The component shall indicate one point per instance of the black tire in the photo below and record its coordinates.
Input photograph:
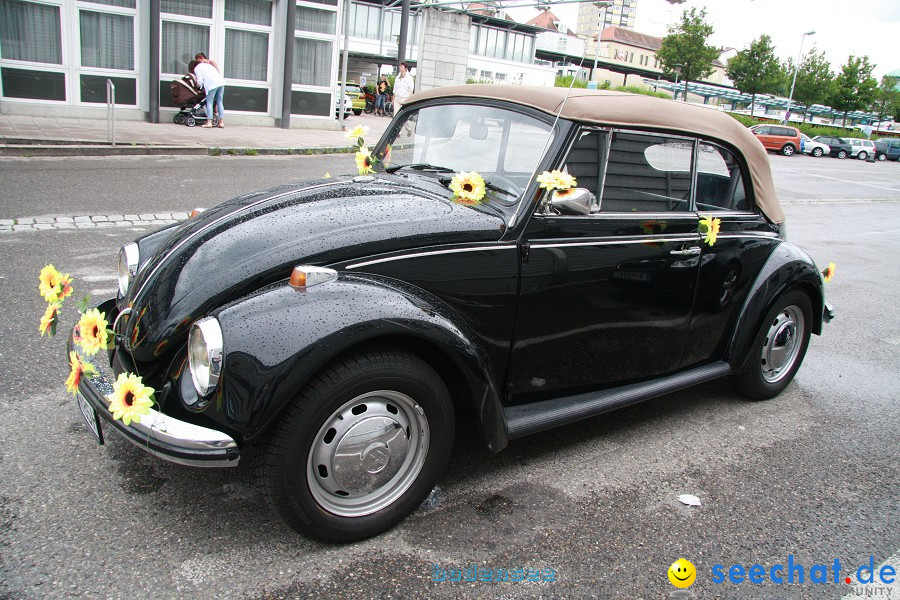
(863, 155)
(817, 152)
(788, 150)
(842, 154)
(179, 118)
(190, 121)
(357, 111)
(783, 337)
(304, 474)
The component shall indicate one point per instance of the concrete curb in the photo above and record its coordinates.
(96, 149)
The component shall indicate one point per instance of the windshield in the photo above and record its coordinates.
(502, 145)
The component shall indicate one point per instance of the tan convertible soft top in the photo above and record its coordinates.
(634, 110)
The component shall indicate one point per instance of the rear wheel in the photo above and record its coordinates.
(881, 157)
(179, 118)
(863, 155)
(778, 349)
(190, 121)
(817, 152)
(357, 111)
(788, 150)
(360, 448)
(842, 154)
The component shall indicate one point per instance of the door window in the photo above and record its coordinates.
(720, 185)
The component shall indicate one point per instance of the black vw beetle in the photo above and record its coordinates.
(338, 325)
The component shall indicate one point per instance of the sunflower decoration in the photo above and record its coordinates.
(468, 188)
(357, 134)
(556, 180)
(50, 319)
(92, 331)
(364, 161)
(54, 286)
(828, 273)
(710, 227)
(79, 369)
(130, 398)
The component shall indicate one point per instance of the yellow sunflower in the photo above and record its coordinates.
(468, 188)
(828, 273)
(49, 320)
(357, 132)
(556, 180)
(710, 227)
(364, 161)
(79, 369)
(130, 398)
(92, 331)
(54, 285)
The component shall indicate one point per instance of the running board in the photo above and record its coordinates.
(525, 419)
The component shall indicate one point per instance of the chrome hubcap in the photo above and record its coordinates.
(368, 453)
(782, 344)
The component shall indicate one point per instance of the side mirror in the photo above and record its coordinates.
(576, 201)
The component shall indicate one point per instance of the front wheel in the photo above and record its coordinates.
(778, 349)
(190, 121)
(842, 154)
(357, 111)
(817, 152)
(881, 157)
(360, 448)
(788, 150)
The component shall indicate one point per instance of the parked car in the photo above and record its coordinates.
(840, 148)
(860, 148)
(338, 325)
(813, 148)
(779, 138)
(357, 95)
(887, 148)
(347, 103)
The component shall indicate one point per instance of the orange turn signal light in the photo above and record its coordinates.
(298, 278)
(303, 277)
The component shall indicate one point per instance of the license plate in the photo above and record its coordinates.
(90, 417)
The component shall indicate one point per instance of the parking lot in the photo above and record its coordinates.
(811, 474)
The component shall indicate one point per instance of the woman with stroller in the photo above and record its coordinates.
(212, 82)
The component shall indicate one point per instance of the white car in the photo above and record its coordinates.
(862, 149)
(812, 147)
(348, 105)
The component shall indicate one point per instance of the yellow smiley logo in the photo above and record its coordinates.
(682, 573)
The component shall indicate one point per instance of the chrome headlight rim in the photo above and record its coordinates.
(205, 355)
(129, 259)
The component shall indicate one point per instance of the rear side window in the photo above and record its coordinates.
(720, 185)
(762, 131)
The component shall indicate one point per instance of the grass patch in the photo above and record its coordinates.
(251, 152)
(810, 129)
(215, 152)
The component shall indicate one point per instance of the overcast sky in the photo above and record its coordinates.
(860, 27)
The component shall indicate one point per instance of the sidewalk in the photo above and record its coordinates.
(50, 136)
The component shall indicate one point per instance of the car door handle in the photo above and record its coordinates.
(694, 251)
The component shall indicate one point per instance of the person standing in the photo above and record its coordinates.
(403, 86)
(381, 94)
(212, 82)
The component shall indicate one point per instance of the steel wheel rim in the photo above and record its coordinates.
(368, 453)
(782, 343)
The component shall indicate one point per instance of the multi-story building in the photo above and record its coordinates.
(621, 13)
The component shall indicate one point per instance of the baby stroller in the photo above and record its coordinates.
(191, 101)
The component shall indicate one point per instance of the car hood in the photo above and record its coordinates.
(241, 245)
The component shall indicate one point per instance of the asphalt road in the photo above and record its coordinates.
(812, 474)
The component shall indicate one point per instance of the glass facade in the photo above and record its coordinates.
(500, 43)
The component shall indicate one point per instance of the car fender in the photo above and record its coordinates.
(786, 268)
(277, 338)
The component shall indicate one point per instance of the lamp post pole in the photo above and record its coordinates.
(787, 113)
(677, 69)
(602, 6)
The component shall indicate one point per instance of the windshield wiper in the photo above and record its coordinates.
(420, 167)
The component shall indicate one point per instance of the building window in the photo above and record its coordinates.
(315, 20)
(312, 62)
(180, 43)
(252, 12)
(246, 55)
(188, 8)
(30, 32)
(107, 40)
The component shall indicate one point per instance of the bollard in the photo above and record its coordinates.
(111, 111)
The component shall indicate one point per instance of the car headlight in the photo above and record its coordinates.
(205, 355)
(129, 257)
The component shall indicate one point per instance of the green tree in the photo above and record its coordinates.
(685, 50)
(814, 80)
(887, 98)
(854, 87)
(756, 70)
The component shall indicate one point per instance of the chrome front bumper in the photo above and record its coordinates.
(157, 433)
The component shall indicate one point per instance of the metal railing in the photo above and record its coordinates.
(111, 111)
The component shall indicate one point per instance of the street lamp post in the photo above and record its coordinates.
(794, 81)
(677, 69)
(602, 6)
